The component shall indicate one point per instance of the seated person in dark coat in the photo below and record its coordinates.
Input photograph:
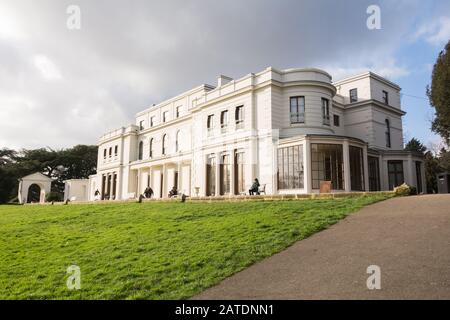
(254, 189)
(148, 193)
(173, 192)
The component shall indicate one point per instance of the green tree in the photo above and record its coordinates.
(74, 163)
(431, 164)
(439, 94)
(415, 145)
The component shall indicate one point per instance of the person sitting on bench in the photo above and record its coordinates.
(148, 193)
(173, 192)
(254, 189)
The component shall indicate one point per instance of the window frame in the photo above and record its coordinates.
(353, 94)
(210, 124)
(224, 121)
(325, 111)
(385, 97)
(297, 117)
(164, 145)
(239, 117)
(388, 133)
(336, 120)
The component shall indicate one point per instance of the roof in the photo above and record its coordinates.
(36, 176)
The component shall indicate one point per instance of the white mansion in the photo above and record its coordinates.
(291, 129)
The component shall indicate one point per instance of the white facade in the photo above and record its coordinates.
(291, 129)
(41, 184)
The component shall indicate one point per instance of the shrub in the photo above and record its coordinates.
(403, 190)
(53, 196)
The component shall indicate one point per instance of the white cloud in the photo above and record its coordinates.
(436, 33)
(46, 67)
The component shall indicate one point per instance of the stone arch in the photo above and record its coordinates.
(36, 181)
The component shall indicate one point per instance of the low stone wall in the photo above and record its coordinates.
(277, 197)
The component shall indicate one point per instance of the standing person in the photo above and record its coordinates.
(254, 189)
(97, 195)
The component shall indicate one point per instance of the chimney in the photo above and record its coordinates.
(223, 80)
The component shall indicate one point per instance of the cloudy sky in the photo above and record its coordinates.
(61, 87)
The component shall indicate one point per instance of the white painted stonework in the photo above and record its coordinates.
(289, 150)
(43, 183)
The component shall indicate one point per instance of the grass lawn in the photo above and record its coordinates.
(157, 250)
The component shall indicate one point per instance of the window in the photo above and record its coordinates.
(326, 111)
(150, 152)
(141, 150)
(374, 174)
(165, 118)
(210, 124)
(356, 168)
(177, 111)
(211, 176)
(290, 168)
(104, 153)
(239, 117)
(385, 97)
(225, 175)
(116, 150)
(177, 141)
(152, 121)
(239, 179)
(419, 176)
(353, 95)
(164, 145)
(327, 165)
(297, 109)
(395, 173)
(141, 125)
(224, 121)
(336, 120)
(110, 152)
(388, 134)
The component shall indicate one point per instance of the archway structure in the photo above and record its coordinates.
(37, 178)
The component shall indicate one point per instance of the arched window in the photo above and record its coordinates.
(388, 134)
(150, 153)
(177, 141)
(141, 150)
(164, 144)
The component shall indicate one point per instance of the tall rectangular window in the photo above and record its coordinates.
(327, 165)
(356, 168)
(297, 109)
(374, 174)
(211, 176)
(177, 111)
(210, 124)
(336, 121)
(353, 95)
(116, 150)
(326, 111)
(224, 121)
(419, 177)
(239, 117)
(395, 173)
(152, 121)
(290, 168)
(239, 173)
(165, 116)
(141, 125)
(225, 175)
(388, 133)
(385, 97)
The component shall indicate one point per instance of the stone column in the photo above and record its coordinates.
(366, 169)
(307, 165)
(218, 162)
(346, 159)
(233, 172)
